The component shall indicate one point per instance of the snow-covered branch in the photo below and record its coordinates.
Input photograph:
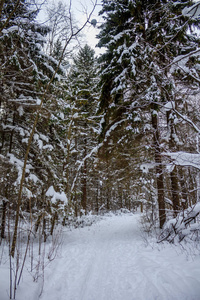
(184, 158)
(189, 121)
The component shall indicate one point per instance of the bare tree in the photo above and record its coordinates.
(59, 22)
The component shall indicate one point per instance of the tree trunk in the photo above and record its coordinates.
(1, 6)
(159, 169)
(3, 222)
(2, 140)
(108, 202)
(84, 176)
(175, 191)
(11, 135)
(141, 207)
(84, 187)
(97, 199)
(44, 229)
(173, 174)
(184, 191)
(53, 222)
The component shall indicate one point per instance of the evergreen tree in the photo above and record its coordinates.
(25, 72)
(83, 98)
(143, 39)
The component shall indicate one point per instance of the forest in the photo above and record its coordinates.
(82, 134)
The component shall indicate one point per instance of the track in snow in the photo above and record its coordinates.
(109, 261)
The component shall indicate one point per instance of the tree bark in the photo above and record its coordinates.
(11, 135)
(173, 174)
(3, 222)
(1, 6)
(84, 176)
(97, 199)
(175, 190)
(53, 222)
(10, 15)
(84, 187)
(184, 191)
(159, 169)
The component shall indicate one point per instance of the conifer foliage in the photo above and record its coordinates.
(97, 134)
(25, 73)
(83, 98)
(144, 42)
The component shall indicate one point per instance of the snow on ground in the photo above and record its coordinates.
(110, 261)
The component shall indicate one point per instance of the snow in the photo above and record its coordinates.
(19, 166)
(50, 147)
(56, 195)
(20, 110)
(113, 127)
(34, 178)
(40, 144)
(185, 159)
(145, 167)
(39, 139)
(62, 116)
(10, 29)
(154, 112)
(38, 101)
(185, 225)
(110, 260)
(169, 106)
(44, 137)
(27, 192)
(193, 11)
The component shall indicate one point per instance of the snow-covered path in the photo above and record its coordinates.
(109, 261)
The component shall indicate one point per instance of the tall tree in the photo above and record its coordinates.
(143, 39)
(83, 95)
(25, 73)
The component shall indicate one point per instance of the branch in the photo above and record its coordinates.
(95, 150)
(181, 27)
(181, 58)
(187, 120)
(1, 6)
(12, 252)
(11, 14)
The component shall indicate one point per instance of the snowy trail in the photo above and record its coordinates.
(109, 261)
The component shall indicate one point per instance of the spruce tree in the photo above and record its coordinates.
(25, 70)
(143, 40)
(83, 96)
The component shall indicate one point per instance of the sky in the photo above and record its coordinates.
(80, 9)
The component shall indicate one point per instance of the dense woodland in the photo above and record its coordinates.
(81, 134)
